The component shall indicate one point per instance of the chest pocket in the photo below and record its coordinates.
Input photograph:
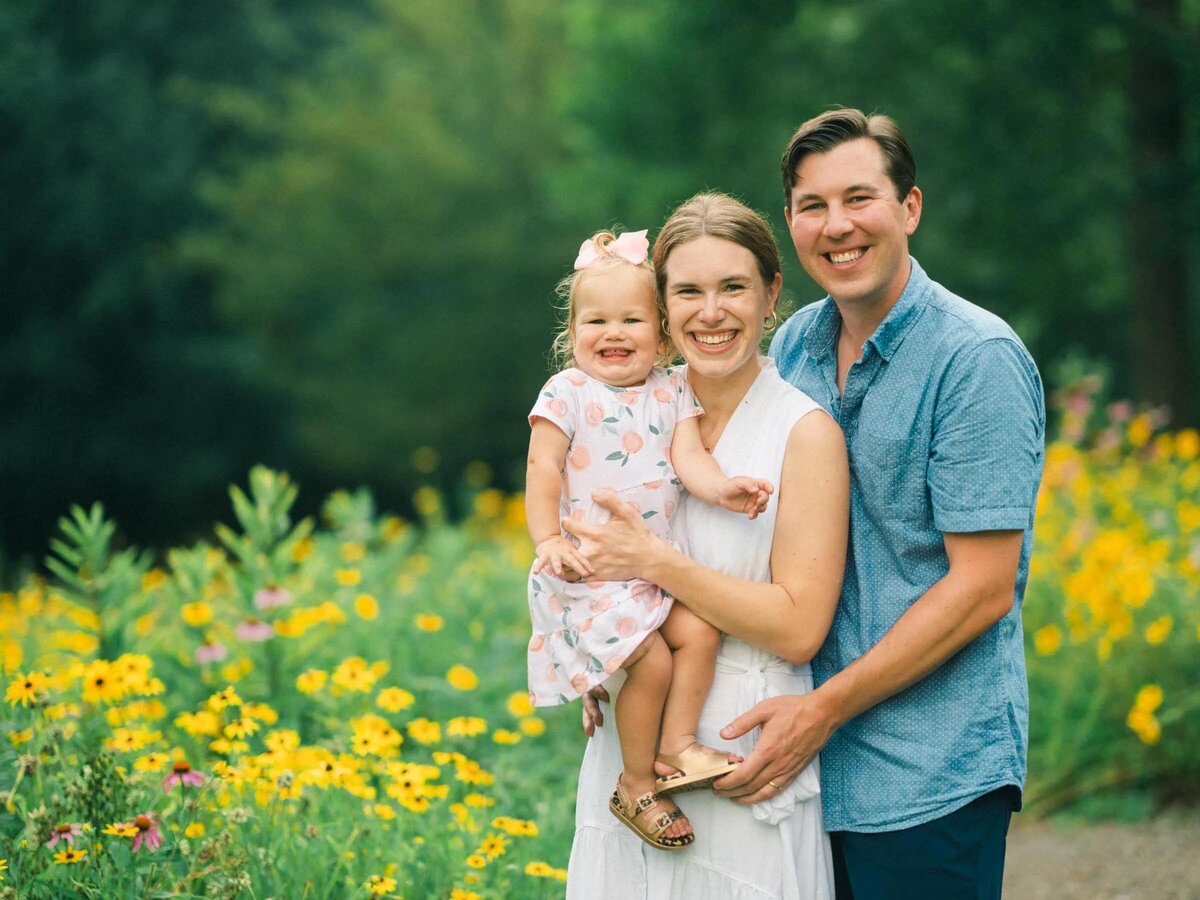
(892, 476)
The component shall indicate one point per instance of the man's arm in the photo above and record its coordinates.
(973, 596)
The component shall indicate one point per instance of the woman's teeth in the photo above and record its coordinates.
(714, 340)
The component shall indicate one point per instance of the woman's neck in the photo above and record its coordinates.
(720, 398)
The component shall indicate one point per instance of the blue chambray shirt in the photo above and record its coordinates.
(944, 422)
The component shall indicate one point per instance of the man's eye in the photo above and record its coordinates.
(809, 207)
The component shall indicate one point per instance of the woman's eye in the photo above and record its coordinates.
(734, 286)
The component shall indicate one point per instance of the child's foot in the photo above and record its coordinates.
(655, 820)
(691, 767)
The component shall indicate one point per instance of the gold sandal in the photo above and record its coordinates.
(696, 767)
(635, 815)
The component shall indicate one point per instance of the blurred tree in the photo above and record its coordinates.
(325, 237)
(118, 383)
(391, 255)
(1163, 56)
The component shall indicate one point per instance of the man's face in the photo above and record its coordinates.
(850, 231)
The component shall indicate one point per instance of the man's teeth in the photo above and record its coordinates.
(713, 339)
(848, 256)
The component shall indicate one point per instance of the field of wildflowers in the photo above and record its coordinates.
(300, 710)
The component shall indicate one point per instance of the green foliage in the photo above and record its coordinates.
(1111, 614)
(400, 762)
(99, 579)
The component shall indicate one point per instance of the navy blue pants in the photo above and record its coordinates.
(957, 857)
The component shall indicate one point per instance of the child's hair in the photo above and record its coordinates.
(562, 350)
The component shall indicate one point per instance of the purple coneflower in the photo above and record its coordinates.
(254, 630)
(182, 773)
(210, 652)
(67, 832)
(147, 833)
(272, 596)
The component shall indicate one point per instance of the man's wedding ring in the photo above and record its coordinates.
(773, 784)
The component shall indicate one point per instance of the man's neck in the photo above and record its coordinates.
(861, 319)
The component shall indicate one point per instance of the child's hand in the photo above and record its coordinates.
(745, 495)
(562, 558)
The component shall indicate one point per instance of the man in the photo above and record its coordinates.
(920, 711)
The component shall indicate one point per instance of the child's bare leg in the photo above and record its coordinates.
(638, 709)
(694, 645)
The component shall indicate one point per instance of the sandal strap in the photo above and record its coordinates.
(646, 801)
(694, 755)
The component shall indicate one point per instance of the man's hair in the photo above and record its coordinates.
(822, 133)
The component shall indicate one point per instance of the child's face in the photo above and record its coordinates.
(615, 332)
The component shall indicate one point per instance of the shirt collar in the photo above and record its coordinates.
(821, 338)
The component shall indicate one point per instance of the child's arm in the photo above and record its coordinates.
(703, 478)
(543, 490)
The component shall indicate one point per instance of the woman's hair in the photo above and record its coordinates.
(718, 215)
(562, 350)
(713, 214)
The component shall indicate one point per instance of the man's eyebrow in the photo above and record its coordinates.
(865, 188)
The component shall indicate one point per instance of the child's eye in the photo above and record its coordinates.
(594, 322)
(632, 320)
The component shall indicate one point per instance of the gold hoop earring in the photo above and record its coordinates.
(771, 322)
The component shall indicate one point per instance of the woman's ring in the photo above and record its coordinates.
(774, 785)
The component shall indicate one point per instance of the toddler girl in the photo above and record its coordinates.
(614, 420)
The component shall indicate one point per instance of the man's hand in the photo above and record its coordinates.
(593, 716)
(794, 729)
(742, 494)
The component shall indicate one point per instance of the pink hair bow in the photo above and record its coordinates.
(632, 247)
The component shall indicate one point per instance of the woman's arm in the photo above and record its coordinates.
(790, 615)
(548, 446)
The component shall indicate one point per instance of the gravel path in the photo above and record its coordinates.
(1104, 861)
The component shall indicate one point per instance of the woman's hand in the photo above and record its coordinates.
(621, 549)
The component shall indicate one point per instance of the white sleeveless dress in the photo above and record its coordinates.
(775, 850)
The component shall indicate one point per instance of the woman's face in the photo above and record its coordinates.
(716, 303)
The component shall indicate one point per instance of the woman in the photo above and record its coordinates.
(770, 585)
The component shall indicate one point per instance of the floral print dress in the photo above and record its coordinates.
(620, 439)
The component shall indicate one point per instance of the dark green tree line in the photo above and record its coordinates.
(324, 237)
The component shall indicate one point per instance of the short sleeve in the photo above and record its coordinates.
(687, 405)
(985, 459)
(558, 402)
